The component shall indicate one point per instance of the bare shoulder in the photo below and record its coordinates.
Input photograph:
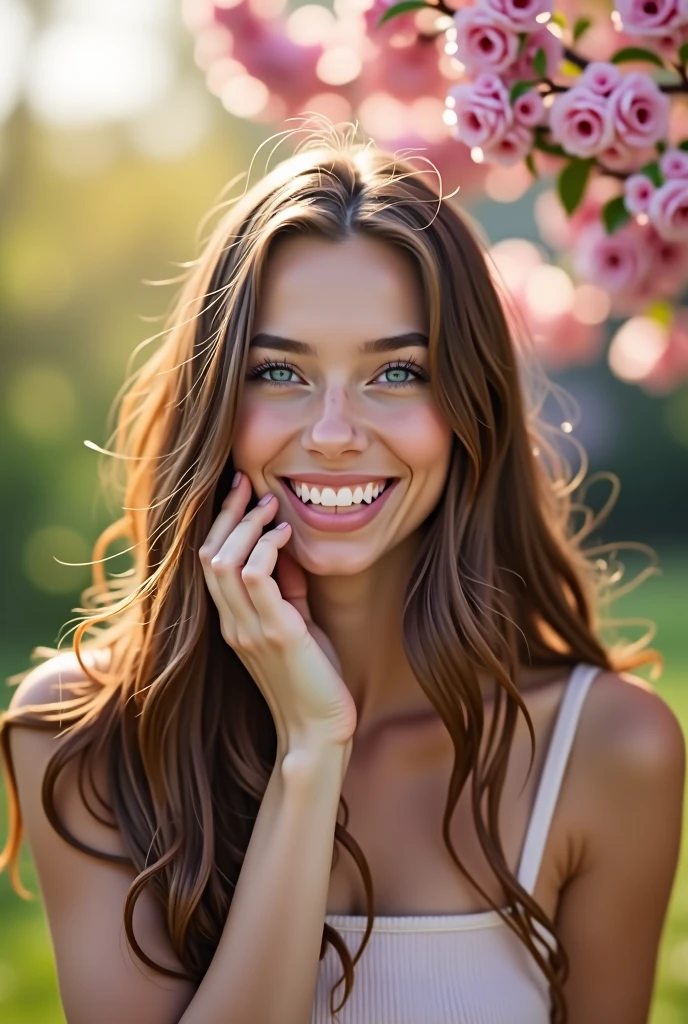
(628, 740)
(43, 684)
(627, 723)
(627, 773)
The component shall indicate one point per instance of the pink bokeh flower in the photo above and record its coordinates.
(668, 210)
(483, 43)
(601, 77)
(638, 191)
(674, 163)
(511, 147)
(519, 15)
(639, 110)
(482, 110)
(652, 17)
(529, 109)
(580, 121)
(618, 262)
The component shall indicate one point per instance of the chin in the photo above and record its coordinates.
(330, 558)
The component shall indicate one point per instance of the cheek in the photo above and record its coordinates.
(261, 430)
(421, 438)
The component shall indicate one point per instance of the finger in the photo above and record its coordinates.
(233, 508)
(277, 618)
(228, 563)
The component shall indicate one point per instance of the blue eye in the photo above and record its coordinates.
(407, 366)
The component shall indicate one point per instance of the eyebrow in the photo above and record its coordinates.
(301, 348)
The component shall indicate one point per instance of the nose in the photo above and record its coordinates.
(334, 430)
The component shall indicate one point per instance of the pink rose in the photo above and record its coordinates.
(638, 191)
(669, 262)
(651, 17)
(519, 15)
(482, 110)
(483, 43)
(579, 120)
(620, 157)
(617, 262)
(674, 163)
(668, 210)
(512, 147)
(600, 77)
(639, 110)
(529, 109)
(522, 69)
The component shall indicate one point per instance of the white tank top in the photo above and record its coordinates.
(457, 968)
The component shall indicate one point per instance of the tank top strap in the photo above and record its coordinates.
(553, 772)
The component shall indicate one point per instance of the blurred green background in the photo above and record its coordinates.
(102, 189)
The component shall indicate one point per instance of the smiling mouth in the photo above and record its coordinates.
(339, 509)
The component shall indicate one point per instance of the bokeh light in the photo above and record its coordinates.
(56, 542)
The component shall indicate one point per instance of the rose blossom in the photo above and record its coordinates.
(674, 163)
(482, 109)
(482, 43)
(579, 120)
(529, 109)
(620, 157)
(639, 110)
(668, 210)
(651, 19)
(638, 191)
(600, 77)
(519, 16)
(512, 147)
(618, 262)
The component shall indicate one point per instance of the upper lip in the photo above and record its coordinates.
(336, 479)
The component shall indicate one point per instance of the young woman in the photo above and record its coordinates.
(404, 626)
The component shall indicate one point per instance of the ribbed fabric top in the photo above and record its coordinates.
(457, 968)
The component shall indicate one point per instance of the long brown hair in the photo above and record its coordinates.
(501, 578)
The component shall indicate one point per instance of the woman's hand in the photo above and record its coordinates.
(288, 656)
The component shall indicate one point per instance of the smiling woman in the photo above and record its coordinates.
(254, 679)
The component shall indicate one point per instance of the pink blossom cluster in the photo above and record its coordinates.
(608, 110)
(665, 205)
(607, 114)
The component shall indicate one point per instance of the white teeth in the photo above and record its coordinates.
(343, 497)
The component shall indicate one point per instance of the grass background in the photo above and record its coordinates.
(28, 986)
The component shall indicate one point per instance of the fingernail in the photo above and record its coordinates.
(237, 478)
(266, 498)
(281, 526)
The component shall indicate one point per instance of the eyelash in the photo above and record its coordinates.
(410, 364)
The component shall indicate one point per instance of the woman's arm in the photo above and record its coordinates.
(611, 913)
(266, 964)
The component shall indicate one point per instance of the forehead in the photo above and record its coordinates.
(360, 284)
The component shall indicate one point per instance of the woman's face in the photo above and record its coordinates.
(336, 407)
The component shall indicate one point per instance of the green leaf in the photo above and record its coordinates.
(636, 53)
(683, 54)
(530, 164)
(615, 214)
(540, 62)
(683, 145)
(582, 25)
(661, 146)
(519, 88)
(652, 172)
(522, 40)
(402, 8)
(572, 181)
(558, 19)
